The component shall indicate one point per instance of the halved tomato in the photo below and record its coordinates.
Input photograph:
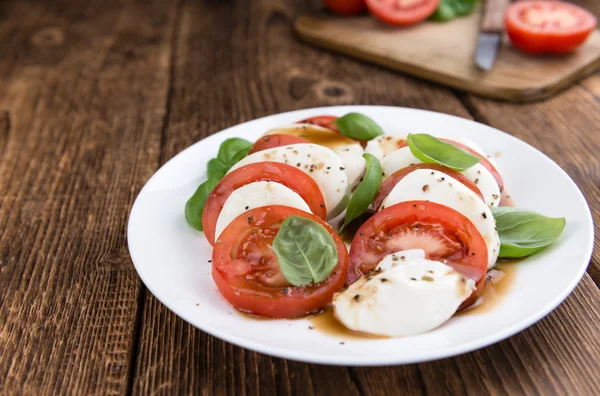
(324, 121)
(289, 176)
(395, 177)
(402, 12)
(275, 140)
(246, 270)
(443, 233)
(548, 26)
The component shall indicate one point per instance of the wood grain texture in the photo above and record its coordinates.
(84, 87)
(449, 61)
(254, 69)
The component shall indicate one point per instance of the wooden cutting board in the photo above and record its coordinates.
(443, 52)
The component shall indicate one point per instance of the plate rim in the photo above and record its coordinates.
(361, 360)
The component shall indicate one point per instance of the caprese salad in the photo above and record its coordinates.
(428, 212)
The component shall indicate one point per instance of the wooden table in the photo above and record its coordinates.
(96, 95)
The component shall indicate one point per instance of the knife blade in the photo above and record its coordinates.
(490, 35)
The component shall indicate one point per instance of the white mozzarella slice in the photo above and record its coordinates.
(349, 150)
(475, 147)
(405, 295)
(384, 144)
(255, 195)
(427, 185)
(478, 174)
(319, 162)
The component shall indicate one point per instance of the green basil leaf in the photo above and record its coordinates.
(216, 169)
(306, 251)
(195, 205)
(366, 191)
(523, 232)
(358, 126)
(451, 9)
(232, 149)
(434, 151)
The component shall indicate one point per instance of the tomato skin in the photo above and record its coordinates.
(324, 121)
(390, 11)
(245, 293)
(395, 177)
(471, 261)
(554, 39)
(345, 7)
(288, 175)
(275, 140)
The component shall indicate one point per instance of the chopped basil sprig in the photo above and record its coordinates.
(231, 151)
(306, 251)
(434, 151)
(358, 126)
(366, 191)
(523, 232)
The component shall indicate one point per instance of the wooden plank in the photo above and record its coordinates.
(84, 87)
(224, 76)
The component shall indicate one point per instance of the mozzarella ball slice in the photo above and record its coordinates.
(255, 195)
(405, 295)
(478, 174)
(427, 185)
(349, 150)
(384, 144)
(475, 147)
(319, 162)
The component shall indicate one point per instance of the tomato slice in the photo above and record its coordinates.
(275, 140)
(395, 177)
(246, 270)
(402, 12)
(484, 161)
(442, 232)
(324, 121)
(289, 176)
(548, 26)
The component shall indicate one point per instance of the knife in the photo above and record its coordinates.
(490, 35)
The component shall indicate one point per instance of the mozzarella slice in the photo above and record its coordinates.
(405, 295)
(255, 195)
(475, 147)
(478, 174)
(319, 162)
(385, 144)
(349, 150)
(427, 185)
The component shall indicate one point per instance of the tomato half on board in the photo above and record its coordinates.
(291, 177)
(395, 177)
(275, 140)
(345, 7)
(402, 12)
(324, 121)
(442, 233)
(246, 269)
(548, 26)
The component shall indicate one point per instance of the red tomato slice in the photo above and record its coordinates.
(247, 273)
(395, 177)
(275, 140)
(402, 12)
(324, 121)
(442, 232)
(345, 7)
(548, 26)
(484, 161)
(289, 176)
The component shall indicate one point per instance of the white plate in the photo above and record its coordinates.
(172, 258)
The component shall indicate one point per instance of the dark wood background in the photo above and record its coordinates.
(96, 95)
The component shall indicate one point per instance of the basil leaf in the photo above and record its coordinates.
(231, 151)
(306, 251)
(451, 9)
(434, 151)
(358, 126)
(523, 232)
(195, 205)
(366, 191)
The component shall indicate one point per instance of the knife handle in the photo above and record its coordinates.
(493, 16)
